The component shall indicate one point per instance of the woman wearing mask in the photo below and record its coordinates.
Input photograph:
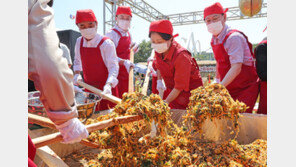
(234, 56)
(177, 71)
(121, 37)
(95, 56)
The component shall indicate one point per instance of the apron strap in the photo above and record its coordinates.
(249, 44)
(102, 41)
(117, 32)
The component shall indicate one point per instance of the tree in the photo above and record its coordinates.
(144, 52)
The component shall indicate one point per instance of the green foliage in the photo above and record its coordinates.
(254, 46)
(204, 56)
(144, 52)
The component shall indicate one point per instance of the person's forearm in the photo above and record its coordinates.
(47, 68)
(232, 74)
(173, 95)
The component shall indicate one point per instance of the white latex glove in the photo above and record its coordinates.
(72, 131)
(77, 89)
(77, 77)
(216, 80)
(150, 59)
(128, 64)
(160, 85)
(107, 89)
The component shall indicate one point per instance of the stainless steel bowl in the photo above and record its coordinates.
(86, 104)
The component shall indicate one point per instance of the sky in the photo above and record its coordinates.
(253, 28)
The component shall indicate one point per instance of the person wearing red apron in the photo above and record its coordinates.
(261, 67)
(235, 59)
(177, 71)
(121, 37)
(95, 55)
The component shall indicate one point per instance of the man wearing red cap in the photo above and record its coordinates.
(95, 55)
(234, 56)
(177, 71)
(121, 37)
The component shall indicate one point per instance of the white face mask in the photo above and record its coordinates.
(124, 24)
(215, 28)
(89, 33)
(160, 48)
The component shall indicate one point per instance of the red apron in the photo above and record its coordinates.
(167, 71)
(245, 87)
(95, 72)
(154, 85)
(31, 153)
(262, 109)
(123, 52)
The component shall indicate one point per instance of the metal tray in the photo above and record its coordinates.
(86, 104)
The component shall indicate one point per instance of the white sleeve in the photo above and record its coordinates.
(66, 53)
(77, 59)
(111, 61)
(114, 37)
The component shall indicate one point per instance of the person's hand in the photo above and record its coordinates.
(216, 80)
(107, 89)
(166, 101)
(77, 89)
(72, 131)
(160, 85)
(77, 77)
(150, 59)
(128, 64)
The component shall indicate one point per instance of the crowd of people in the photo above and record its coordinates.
(103, 61)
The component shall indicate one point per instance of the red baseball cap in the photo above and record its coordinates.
(124, 10)
(216, 8)
(162, 26)
(85, 15)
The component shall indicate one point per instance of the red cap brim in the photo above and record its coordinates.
(225, 10)
(176, 35)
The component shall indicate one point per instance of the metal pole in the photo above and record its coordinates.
(104, 17)
(113, 12)
(199, 46)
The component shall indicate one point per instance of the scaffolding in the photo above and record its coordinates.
(147, 12)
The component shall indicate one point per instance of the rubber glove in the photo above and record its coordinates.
(128, 64)
(72, 131)
(107, 89)
(77, 77)
(160, 85)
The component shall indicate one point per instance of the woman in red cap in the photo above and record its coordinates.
(123, 42)
(177, 71)
(95, 55)
(234, 56)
